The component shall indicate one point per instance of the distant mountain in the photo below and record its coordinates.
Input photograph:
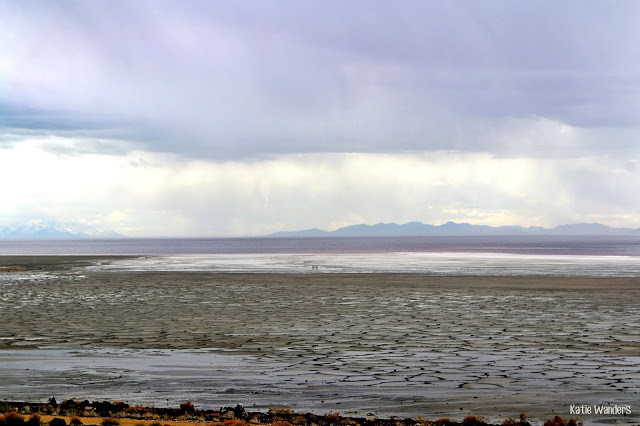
(315, 232)
(453, 228)
(50, 230)
(592, 229)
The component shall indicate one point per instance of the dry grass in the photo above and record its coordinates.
(231, 423)
(97, 421)
(13, 418)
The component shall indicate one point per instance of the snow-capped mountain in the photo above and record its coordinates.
(48, 229)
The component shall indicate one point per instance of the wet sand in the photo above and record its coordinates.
(381, 344)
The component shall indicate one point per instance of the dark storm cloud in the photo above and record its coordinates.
(247, 79)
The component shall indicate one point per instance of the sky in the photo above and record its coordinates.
(243, 118)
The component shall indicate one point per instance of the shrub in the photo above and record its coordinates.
(423, 421)
(34, 420)
(11, 419)
(559, 421)
(473, 421)
(187, 407)
(75, 421)
(333, 416)
(57, 422)
(110, 422)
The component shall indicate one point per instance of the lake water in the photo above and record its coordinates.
(533, 245)
(483, 256)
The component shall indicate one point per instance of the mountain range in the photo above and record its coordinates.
(453, 228)
(41, 229)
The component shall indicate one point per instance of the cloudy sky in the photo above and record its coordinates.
(238, 118)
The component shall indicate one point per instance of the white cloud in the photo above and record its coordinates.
(292, 116)
(151, 194)
(237, 80)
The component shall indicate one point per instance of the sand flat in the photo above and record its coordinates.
(387, 344)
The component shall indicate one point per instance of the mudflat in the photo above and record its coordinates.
(379, 344)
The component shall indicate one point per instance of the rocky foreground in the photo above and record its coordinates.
(78, 413)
